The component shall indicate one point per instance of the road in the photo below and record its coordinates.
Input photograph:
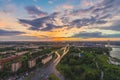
(44, 72)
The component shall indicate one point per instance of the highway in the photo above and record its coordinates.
(44, 72)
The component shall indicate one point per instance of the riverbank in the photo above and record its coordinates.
(114, 56)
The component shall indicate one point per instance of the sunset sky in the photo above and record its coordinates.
(58, 20)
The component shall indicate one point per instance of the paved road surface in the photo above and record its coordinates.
(44, 72)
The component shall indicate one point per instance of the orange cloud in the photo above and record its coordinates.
(84, 39)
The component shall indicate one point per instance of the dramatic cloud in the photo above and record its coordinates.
(85, 18)
(96, 35)
(115, 26)
(9, 33)
(87, 21)
(89, 3)
(60, 19)
(88, 34)
(35, 11)
(96, 16)
(42, 24)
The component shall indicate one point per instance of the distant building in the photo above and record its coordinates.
(0, 67)
(16, 66)
(108, 43)
(21, 53)
(46, 59)
(32, 63)
(32, 46)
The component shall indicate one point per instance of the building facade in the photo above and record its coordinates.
(16, 66)
(32, 63)
(46, 59)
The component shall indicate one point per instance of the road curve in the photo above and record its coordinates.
(44, 72)
(55, 71)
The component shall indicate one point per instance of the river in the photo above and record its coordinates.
(115, 51)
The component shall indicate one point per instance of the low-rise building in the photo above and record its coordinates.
(21, 53)
(32, 63)
(46, 59)
(4, 60)
(16, 66)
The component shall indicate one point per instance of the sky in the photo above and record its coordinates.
(59, 20)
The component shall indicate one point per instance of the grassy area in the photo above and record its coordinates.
(85, 68)
(53, 77)
(111, 72)
(102, 59)
(82, 68)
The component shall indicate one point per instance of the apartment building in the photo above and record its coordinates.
(46, 59)
(16, 66)
(32, 63)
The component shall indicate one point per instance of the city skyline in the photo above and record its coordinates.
(59, 20)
